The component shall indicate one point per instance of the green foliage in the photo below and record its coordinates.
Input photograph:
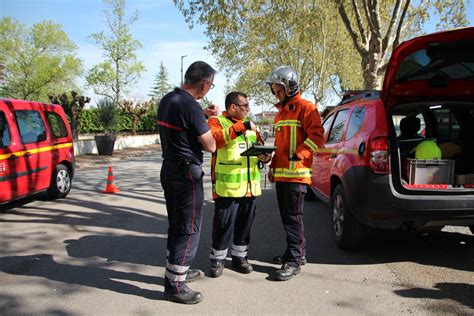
(377, 27)
(148, 123)
(101, 78)
(135, 111)
(90, 122)
(108, 114)
(161, 85)
(120, 70)
(332, 44)
(73, 104)
(37, 60)
(250, 38)
(452, 14)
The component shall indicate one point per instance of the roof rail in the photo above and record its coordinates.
(351, 95)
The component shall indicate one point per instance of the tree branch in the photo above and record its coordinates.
(389, 35)
(362, 32)
(367, 15)
(375, 14)
(362, 49)
(400, 24)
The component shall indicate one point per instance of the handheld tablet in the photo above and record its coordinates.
(256, 150)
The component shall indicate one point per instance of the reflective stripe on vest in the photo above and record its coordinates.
(288, 173)
(232, 170)
(293, 125)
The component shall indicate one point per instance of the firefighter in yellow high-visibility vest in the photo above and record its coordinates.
(235, 184)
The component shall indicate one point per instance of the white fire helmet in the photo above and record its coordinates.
(287, 77)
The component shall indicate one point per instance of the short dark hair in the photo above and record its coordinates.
(233, 98)
(197, 72)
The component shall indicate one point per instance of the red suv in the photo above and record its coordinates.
(36, 150)
(368, 171)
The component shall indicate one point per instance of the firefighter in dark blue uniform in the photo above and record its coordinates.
(184, 135)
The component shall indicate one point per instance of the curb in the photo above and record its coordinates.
(90, 160)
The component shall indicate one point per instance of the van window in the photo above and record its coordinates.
(397, 119)
(440, 60)
(30, 126)
(56, 124)
(4, 131)
(335, 135)
(355, 122)
(448, 126)
(326, 124)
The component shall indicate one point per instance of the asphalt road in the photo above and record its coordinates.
(104, 254)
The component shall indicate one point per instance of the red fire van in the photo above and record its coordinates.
(36, 150)
(369, 172)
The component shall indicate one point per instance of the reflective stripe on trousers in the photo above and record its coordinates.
(232, 217)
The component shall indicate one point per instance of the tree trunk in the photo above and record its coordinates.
(74, 127)
(134, 125)
(370, 68)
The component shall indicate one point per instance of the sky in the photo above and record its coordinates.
(161, 29)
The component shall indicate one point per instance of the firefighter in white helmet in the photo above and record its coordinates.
(298, 134)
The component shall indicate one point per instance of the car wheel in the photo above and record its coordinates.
(347, 231)
(60, 182)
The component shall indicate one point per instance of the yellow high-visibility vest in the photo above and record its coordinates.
(235, 176)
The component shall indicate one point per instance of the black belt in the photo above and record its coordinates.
(178, 162)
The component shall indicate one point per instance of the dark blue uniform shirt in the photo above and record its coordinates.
(181, 120)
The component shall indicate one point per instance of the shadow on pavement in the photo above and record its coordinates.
(142, 250)
(464, 293)
(93, 214)
(43, 265)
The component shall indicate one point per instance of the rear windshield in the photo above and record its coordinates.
(446, 61)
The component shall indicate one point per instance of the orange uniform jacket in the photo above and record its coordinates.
(298, 131)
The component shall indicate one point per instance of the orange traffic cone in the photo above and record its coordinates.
(110, 188)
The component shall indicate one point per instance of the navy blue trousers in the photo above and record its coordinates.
(290, 202)
(183, 187)
(232, 216)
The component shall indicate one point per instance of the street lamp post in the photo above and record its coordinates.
(182, 68)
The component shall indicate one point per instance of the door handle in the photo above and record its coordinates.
(27, 154)
(13, 157)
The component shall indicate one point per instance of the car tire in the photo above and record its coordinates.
(347, 231)
(61, 182)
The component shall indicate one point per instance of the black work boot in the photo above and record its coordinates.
(280, 260)
(217, 268)
(240, 264)
(286, 272)
(185, 296)
(193, 275)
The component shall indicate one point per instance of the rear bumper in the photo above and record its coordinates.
(380, 204)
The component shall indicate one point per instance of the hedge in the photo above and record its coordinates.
(89, 122)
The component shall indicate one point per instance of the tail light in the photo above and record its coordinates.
(379, 155)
